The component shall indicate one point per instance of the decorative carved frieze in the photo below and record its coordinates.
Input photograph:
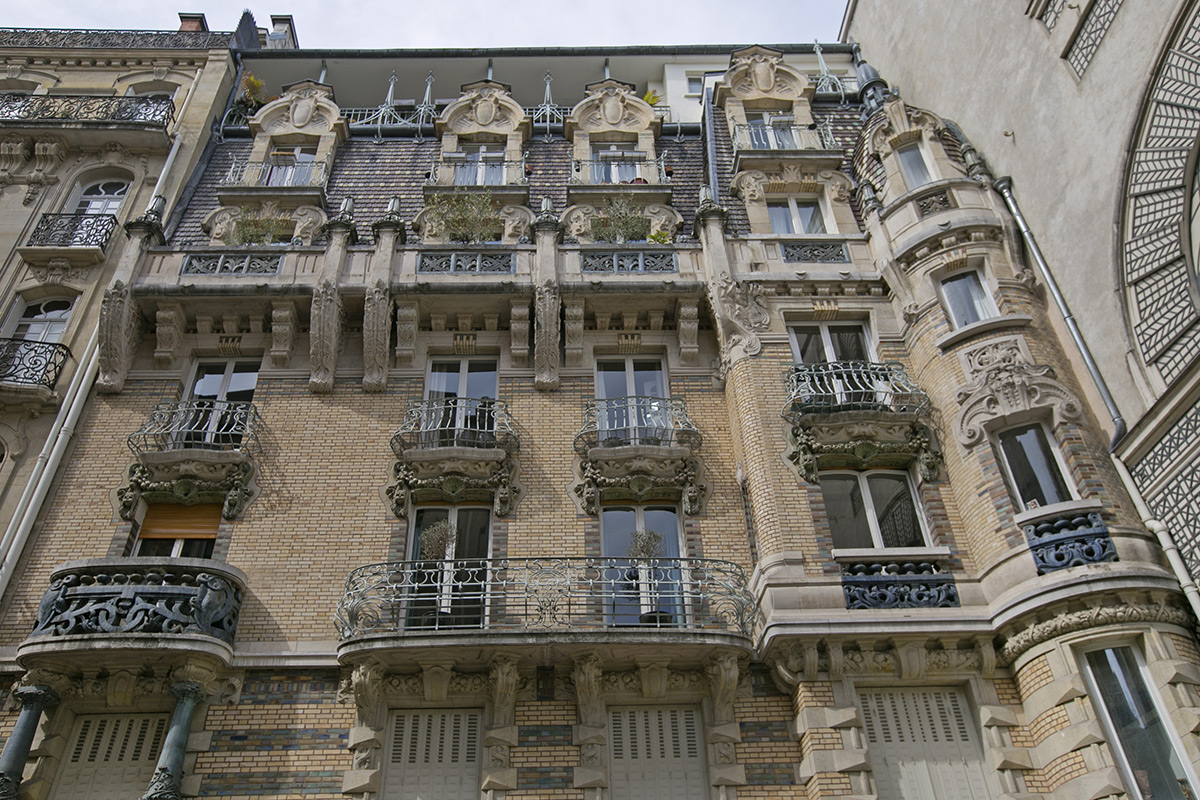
(120, 328)
(324, 335)
(860, 442)
(309, 221)
(913, 659)
(664, 221)
(455, 477)
(547, 304)
(1107, 611)
(377, 328)
(1003, 381)
(60, 272)
(753, 186)
(903, 124)
(122, 688)
(639, 475)
(759, 72)
(188, 482)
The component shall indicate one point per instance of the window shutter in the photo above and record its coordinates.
(433, 755)
(112, 757)
(922, 743)
(165, 521)
(656, 754)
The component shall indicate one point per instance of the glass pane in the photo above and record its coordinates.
(781, 218)
(197, 548)
(1034, 471)
(156, 548)
(424, 518)
(965, 298)
(810, 217)
(849, 343)
(242, 382)
(809, 347)
(666, 522)
(1143, 739)
(467, 586)
(623, 604)
(43, 322)
(618, 525)
(472, 540)
(895, 512)
(846, 512)
(209, 378)
(481, 379)
(443, 380)
(912, 164)
(610, 379)
(648, 379)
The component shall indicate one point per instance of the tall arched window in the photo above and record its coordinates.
(102, 197)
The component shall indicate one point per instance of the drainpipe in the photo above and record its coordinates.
(1004, 187)
(710, 143)
(16, 750)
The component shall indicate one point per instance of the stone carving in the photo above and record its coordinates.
(863, 444)
(171, 324)
(610, 105)
(519, 332)
(573, 328)
(1071, 540)
(1160, 610)
(60, 272)
(664, 220)
(722, 672)
(14, 152)
(484, 107)
(577, 223)
(284, 326)
(1002, 380)
(641, 478)
(901, 125)
(518, 221)
(364, 687)
(455, 479)
(309, 221)
(546, 337)
(898, 584)
(688, 327)
(377, 328)
(324, 334)
(188, 482)
(120, 326)
(48, 154)
(406, 333)
(749, 185)
(759, 72)
(505, 680)
(306, 107)
(741, 313)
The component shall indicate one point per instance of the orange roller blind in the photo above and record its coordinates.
(181, 522)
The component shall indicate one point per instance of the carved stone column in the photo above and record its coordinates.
(591, 734)
(16, 750)
(120, 322)
(499, 739)
(364, 688)
(377, 306)
(547, 304)
(737, 307)
(325, 319)
(723, 731)
(168, 775)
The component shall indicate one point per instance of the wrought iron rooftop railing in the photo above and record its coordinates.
(853, 386)
(158, 596)
(32, 363)
(232, 264)
(465, 262)
(1069, 540)
(628, 261)
(779, 137)
(131, 40)
(627, 169)
(450, 171)
(536, 595)
(632, 421)
(73, 230)
(201, 425)
(456, 422)
(267, 173)
(156, 111)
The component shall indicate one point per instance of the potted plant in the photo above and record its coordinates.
(621, 221)
(466, 217)
(437, 573)
(645, 549)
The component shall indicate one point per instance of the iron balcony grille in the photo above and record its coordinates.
(628, 261)
(778, 137)
(199, 424)
(131, 40)
(158, 111)
(268, 173)
(231, 264)
(456, 422)
(814, 251)
(483, 172)
(1070, 540)
(853, 386)
(73, 230)
(31, 363)
(465, 261)
(622, 168)
(889, 583)
(628, 421)
(546, 594)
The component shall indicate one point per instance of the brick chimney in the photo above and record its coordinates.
(193, 22)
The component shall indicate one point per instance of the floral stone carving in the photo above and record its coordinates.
(863, 444)
(639, 476)
(187, 483)
(480, 476)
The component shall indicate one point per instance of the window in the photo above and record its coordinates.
(218, 413)
(102, 197)
(112, 757)
(433, 754)
(453, 592)
(646, 579)
(826, 343)
(912, 166)
(171, 531)
(616, 162)
(871, 509)
(796, 216)
(771, 130)
(835, 368)
(481, 165)
(966, 301)
(1146, 750)
(291, 166)
(1032, 466)
(631, 401)
(656, 753)
(460, 407)
(31, 329)
(40, 321)
(695, 84)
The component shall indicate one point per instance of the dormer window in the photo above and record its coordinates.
(913, 167)
(771, 130)
(291, 166)
(796, 216)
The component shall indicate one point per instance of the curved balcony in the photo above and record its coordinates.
(636, 422)
(515, 597)
(81, 239)
(215, 425)
(478, 424)
(129, 604)
(842, 386)
(28, 363)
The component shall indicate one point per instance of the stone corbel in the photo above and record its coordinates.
(455, 479)
(284, 325)
(377, 327)
(324, 333)
(641, 477)
(406, 333)
(170, 325)
(688, 328)
(502, 735)
(14, 152)
(863, 444)
(518, 220)
(519, 332)
(188, 482)
(547, 304)
(364, 688)
(48, 154)
(120, 329)
(741, 314)
(573, 348)
(591, 732)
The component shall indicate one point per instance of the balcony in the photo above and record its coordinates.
(1071, 537)
(466, 262)
(522, 598)
(892, 580)
(294, 183)
(619, 173)
(636, 422)
(136, 604)
(841, 386)
(506, 181)
(26, 363)
(211, 425)
(764, 146)
(80, 239)
(460, 422)
(130, 121)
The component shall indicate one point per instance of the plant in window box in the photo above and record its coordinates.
(466, 217)
(621, 221)
(253, 227)
(648, 575)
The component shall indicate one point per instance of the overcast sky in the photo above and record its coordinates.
(471, 23)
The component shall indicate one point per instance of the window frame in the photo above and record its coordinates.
(177, 542)
(827, 338)
(16, 315)
(447, 583)
(793, 205)
(1056, 454)
(651, 588)
(906, 169)
(985, 297)
(611, 162)
(639, 420)
(872, 517)
(79, 195)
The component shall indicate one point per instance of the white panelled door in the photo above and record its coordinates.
(112, 757)
(923, 745)
(656, 754)
(433, 755)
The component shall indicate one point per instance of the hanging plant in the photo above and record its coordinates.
(467, 217)
(620, 221)
(249, 94)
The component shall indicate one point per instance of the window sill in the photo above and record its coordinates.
(981, 327)
(1054, 510)
(841, 554)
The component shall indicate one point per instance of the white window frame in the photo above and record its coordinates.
(687, 85)
(1056, 454)
(284, 172)
(872, 515)
(16, 314)
(638, 416)
(1102, 711)
(827, 338)
(770, 125)
(793, 204)
(477, 163)
(984, 299)
(905, 170)
(614, 161)
(78, 197)
(465, 411)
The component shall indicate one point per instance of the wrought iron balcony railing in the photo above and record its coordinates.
(625, 421)
(456, 422)
(160, 596)
(622, 168)
(897, 583)
(131, 40)
(31, 363)
(778, 137)
(452, 171)
(158, 111)
(266, 173)
(853, 386)
(536, 595)
(73, 230)
(200, 425)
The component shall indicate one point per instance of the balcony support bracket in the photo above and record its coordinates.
(189, 477)
(853, 440)
(639, 474)
(454, 475)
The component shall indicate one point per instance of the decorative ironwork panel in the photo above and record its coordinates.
(483, 172)
(83, 108)
(1151, 252)
(232, 264)
(1069, 541)
(632, 421)
(1156, 210)
(1173, 127)
(1051, 13)
(618, 170)
(1154, 170)
(200, 425)
(853, 386)
(456, 422)
(73, 230)
(31, 363)
(933, 203)
(125, 40)
(1179, 436)
(818, 252)
(628, 261)
(1177, 505)
(1180, 355)
(1178, 84)
(546, 594)
(1164, 307)
(1099, 16)
(140, 596)
(459, 261)
(897, 584)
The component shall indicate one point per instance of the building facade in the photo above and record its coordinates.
(586, 423)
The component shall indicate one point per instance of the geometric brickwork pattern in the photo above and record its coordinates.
(1099, 17)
